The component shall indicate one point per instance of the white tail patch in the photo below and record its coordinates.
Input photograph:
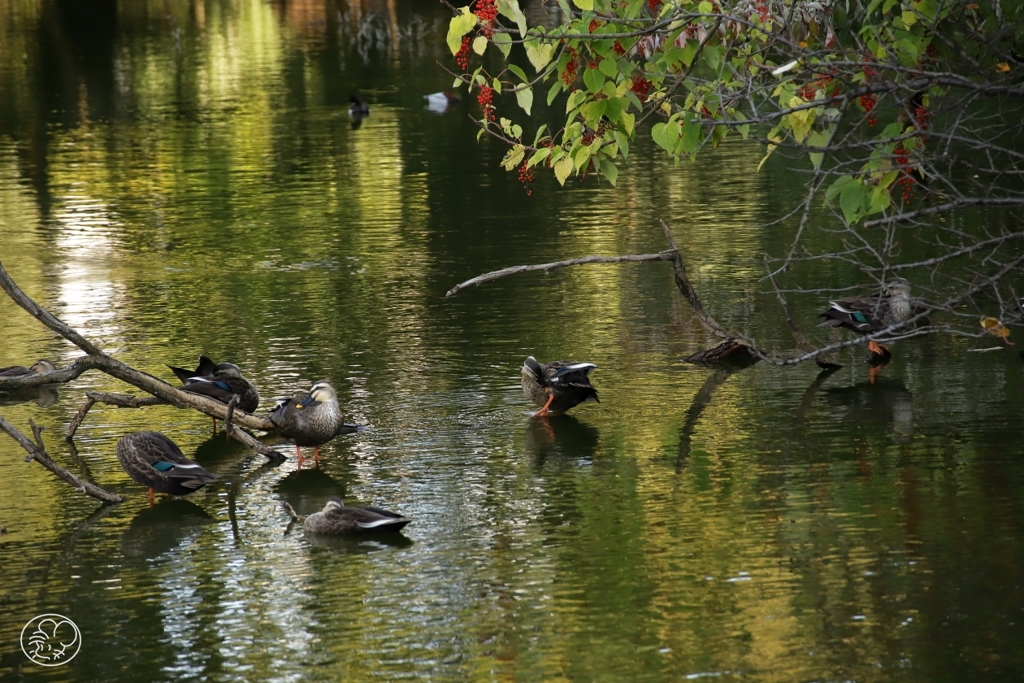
(379, 522)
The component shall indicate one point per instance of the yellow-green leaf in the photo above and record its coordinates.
(460, 25)
(563, 167)
(525, 99)
(479, 45)
(585, 5)
(513, 157)
(539, 53)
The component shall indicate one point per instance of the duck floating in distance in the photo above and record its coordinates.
(557, 386)
(153, 460)
(338, 519)
(440, 101)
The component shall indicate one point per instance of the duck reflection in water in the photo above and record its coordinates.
(883, 400)
(159, 528)
(44, 395)
(563, 440)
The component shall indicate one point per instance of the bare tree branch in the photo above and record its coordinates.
(36, 451)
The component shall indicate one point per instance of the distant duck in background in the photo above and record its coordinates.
(359, 109)
(338, 519)
(557, 386)
(40, 367)
(153, 460)
(440, 101)
(312, 419)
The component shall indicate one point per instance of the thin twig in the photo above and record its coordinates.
(512, 270)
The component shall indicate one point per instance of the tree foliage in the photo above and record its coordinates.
(901, 113)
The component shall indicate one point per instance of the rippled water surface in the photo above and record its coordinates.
(183, 178)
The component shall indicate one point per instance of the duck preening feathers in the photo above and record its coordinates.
(338, 519)
(557, 386)
(153, 460)
(220, 381)
(41, 367)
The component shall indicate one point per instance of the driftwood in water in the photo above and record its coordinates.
(37, 451)
(97, 359)
(730, 350)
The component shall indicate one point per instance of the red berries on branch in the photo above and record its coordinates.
(569, 74)
(641, 86)
(462, 56)
(526, 176)
(486, 98)
(868, 101)
(486, 12)
(654, 5)
(906, 179)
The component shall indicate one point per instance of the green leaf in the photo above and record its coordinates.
(556, 88)
(514, 68)
(609, 171)
(479, 45)
(539, 53)
(504, 43)
(525, 99)
(691, 137)
(835, 188)
(658, 132)
(593, 111)
(582, 158)
(574, 100)
(585, 5)
(609, 68)
(628, 120)
(496, 84)
(818, 138)
(623, 142)
(540, 132)
(538, 156)
(593, 79)
(851, 201)
(510, 9)
(616, 105)
(879, 200)
(563, 167)
(460, 25)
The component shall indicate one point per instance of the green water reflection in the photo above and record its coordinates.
(183, 178)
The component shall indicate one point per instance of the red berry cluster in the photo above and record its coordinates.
(762, 11)
(569, 74)
(922, 116)
(655, 5)
(810, 90)
(486, 12)
(594, 25)
(462, 56)
(905, 180)
(641, 86)
(868, 101)
(526, 177)
(619, 50)
(593, 64)
(486, 100)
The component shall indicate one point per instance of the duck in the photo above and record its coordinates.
(153, 460)
(557, 386)
(440, 101)
(40, 367)
(219, 381)
(311, 419)
(869, 314)
(359, 109)
(338, 519)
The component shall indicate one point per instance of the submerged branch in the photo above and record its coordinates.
(36, 451)
(545, 267)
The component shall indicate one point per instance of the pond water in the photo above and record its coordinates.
(182, 178)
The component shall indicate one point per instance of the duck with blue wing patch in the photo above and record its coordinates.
(557, 386)
(153, 460)
(219, 381)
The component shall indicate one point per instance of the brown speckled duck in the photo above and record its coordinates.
(338, 519)
(153, 460)
(312, 419)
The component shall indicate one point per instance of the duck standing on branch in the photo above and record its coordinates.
(312, 419)
(338, 519)
(219, 381)
(557, 386)
(869, 314)
(153, 460)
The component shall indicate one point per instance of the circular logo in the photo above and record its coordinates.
(51, 640)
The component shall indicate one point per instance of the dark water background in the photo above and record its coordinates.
(182, 178)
